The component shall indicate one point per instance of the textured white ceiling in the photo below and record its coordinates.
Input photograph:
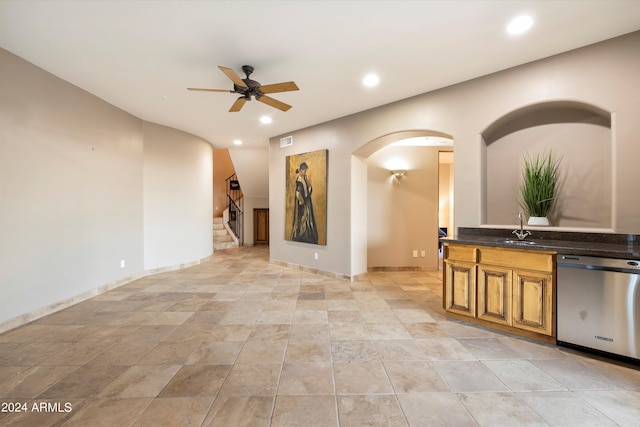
(142, 55)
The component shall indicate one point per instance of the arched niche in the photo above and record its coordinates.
(577, 132)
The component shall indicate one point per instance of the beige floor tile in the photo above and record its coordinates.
(435, 409)
(262, 351)
(310, 317)
(345, 316)
(140, 381)
(27, 354)
(388, 331)
(306, 379)
(250, 380)
(468, 377)
(368, 410)
(123, 353)
(30, 382)
(399, 350)
(361, 378)
(275, 317)
(622, 406)
(196, 380)
(522, 375)
(317, 411)
(574, 374)
(488, 348)
(230, 333)
(110, 333)
(354, 351)
(444, 349)
(561, 408)
(215, 353)
(240, 411)
(412, 315)
(308, 351)
(348, 331)
(170, 353)
(309, 332)
(109, 412)
(500, 410)
(85, 382)
(149, 333)
(415, 377)
(180, 411)
(276, 332)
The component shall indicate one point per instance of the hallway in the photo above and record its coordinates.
(238, 341)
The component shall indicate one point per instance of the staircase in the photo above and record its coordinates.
(221, 237)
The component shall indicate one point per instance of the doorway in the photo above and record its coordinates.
(445, 196)
(261, 226)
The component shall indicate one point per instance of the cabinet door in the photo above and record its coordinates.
(460, 288)
(494, 294)
(533, 301)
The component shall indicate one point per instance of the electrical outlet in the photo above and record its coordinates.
(315, 256)
(423, 254)
(121, 263)
(415, 253)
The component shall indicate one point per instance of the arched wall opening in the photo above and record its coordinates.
(402, 212)
(580, 135)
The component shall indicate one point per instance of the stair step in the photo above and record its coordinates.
(223, 238)
(225, 245)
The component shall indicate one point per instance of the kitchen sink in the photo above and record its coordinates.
(517, 242)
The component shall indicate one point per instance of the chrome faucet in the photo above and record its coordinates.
(521, 234)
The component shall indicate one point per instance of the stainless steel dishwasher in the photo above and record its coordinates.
(599, 304)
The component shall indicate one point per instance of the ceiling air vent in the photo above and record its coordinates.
(286, 141)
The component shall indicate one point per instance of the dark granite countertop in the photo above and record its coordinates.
(622, 246)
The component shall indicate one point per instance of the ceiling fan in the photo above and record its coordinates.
(250, 88)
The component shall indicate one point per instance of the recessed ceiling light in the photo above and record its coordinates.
(265, 120)
(237, 142)
(371, 80)
(519, 25)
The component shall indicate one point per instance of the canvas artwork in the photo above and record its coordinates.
(306, 198)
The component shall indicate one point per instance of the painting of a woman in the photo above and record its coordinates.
(304, 222)
(306, 197)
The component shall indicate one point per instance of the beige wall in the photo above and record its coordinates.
(402, 213)
(76, 193)
(178, 173)
(604, 75)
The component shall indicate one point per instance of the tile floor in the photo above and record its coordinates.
(238, 341)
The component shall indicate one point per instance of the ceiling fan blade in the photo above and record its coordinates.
(274, 103)
(279, 87)
(208, 90)
(237, 106)
(235, 78)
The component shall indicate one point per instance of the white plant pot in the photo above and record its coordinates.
(538, 220)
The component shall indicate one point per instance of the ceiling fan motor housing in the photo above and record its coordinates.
(252, 89)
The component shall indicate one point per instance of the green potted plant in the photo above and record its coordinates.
(539, 186)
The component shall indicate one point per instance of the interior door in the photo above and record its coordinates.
(261, 226)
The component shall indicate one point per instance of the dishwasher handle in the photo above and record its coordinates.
(598, 263)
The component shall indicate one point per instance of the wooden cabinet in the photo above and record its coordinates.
(510, 289)
(494, 294)
(461, 293)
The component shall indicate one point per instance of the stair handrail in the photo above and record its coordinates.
(235, 219)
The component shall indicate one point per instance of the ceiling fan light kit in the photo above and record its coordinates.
(249, 89)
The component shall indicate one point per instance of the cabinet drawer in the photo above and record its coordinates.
(461, 253)
(527, 259)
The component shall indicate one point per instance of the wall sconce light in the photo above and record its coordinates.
(398, 173)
